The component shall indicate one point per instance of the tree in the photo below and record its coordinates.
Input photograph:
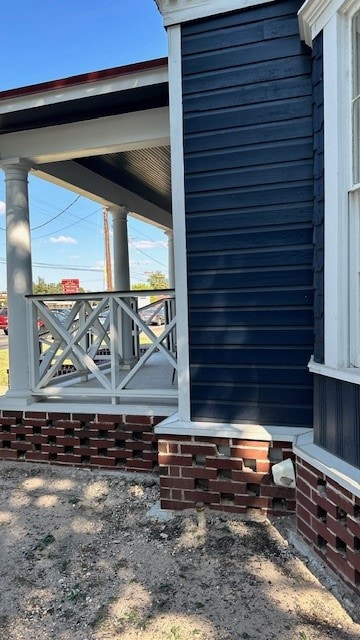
(41, 287)
(157, 280)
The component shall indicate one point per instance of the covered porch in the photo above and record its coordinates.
(104, 136)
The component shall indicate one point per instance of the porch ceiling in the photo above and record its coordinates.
(104, 135)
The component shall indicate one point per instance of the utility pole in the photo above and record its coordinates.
(108, 273)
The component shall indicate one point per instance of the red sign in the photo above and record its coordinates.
(70, 285)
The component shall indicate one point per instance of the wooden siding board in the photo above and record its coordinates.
(231, 199)
(249, 202)
(249, 375)
(219, 280)
(252, 336)
(255, 393)
(257, 133)
(252, 217)
(229, 35)
(259, 51)
(247, 239)
(248, 115)
(251, 413)
(249, 74)
(271, 355)
(301, 256)
(227, 97)
(265, 11)
(252, 318)
(249, 176)
(286, 151)
(257, 298)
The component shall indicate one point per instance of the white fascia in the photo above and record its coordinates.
(84, 90)
(179, 11)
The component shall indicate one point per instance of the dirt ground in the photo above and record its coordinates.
(88, 555)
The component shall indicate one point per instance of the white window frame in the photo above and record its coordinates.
(354, 212)
(341, 222)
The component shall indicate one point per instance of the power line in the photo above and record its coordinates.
(47, 265)
(54, 217)
(57, 215)
(71, 224)
(146, 254)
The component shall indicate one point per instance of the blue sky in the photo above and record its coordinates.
(43, 41)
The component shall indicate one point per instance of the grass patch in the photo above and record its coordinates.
(4, 365)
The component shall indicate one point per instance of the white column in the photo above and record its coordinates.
(19, 271)
(170, 236)
(120, 249)
(122, 278)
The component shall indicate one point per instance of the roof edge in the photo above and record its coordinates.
(84, 78)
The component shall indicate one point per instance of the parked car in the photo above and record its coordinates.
(4, 320)
(153, 314)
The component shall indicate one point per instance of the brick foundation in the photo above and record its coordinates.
(225, 473)
(126, 442)
(328, 517)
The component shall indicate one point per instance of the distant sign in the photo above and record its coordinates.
(70, 285)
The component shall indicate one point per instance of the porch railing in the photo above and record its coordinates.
(101, 344)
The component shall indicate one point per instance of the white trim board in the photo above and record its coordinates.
(178, 216)
(179, 11)
(263, 433)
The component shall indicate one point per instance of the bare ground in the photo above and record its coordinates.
(88, 555)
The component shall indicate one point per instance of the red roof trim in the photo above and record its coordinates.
(92, 76)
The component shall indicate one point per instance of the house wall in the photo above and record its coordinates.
(249, 208)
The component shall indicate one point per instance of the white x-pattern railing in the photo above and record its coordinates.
(95, 347)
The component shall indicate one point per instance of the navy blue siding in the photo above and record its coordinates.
(337, 418)
(248, 140)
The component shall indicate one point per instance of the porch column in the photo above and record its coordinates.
(122, 276)
(170, 236)
(121, 249)
(19, 271)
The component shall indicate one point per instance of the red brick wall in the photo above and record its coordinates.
(226, 474)
(328, 517)
(119, 441)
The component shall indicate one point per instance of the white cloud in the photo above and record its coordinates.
(63, 240)
(2, 208)
(148, 244)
